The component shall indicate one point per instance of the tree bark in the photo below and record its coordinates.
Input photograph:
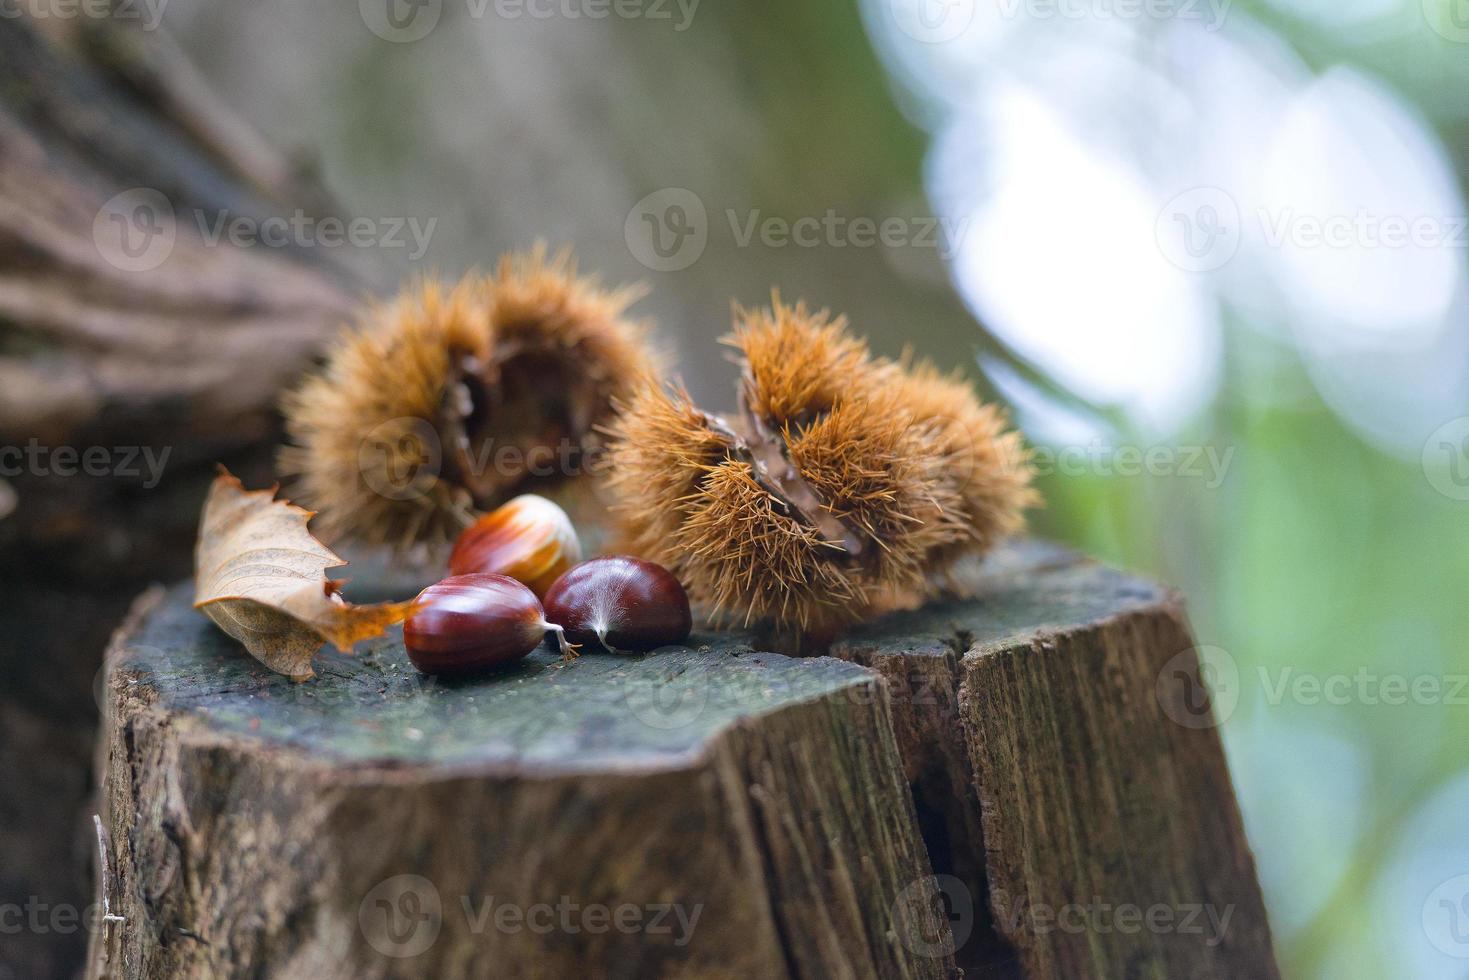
(158, 370)
(989, 785)
(1060, 738)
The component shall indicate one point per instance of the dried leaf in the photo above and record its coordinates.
(261, 576)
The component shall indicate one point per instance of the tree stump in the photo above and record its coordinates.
(994, 785)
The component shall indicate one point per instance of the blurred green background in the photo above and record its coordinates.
(1211, 253)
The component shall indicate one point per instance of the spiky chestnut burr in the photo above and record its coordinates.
(450, 400)
(846, 484)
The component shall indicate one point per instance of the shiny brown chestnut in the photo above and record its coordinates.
(620, 603)
(469, 622)
(530, 539)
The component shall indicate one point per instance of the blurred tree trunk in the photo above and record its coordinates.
(134, 354)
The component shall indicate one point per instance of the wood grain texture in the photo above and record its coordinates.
(164, 370)
(989, 785)
(1043, 726)
(262, 818)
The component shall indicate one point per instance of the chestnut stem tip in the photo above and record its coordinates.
(569, 650)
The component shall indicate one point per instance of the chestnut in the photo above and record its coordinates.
(621, 602)
(529, 538)
(468, 622)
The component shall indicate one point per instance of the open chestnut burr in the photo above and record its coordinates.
(450, 400)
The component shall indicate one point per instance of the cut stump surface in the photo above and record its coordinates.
(987, 785)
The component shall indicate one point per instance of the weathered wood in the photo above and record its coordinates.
(183, 346)
(1042, 728)
(758, 792)
(1014, 744)
(163, 369)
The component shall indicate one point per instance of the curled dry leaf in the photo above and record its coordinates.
(261, 576)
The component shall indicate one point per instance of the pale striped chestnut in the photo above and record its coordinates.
(621, 603)
(468, 622)
(530, 539)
